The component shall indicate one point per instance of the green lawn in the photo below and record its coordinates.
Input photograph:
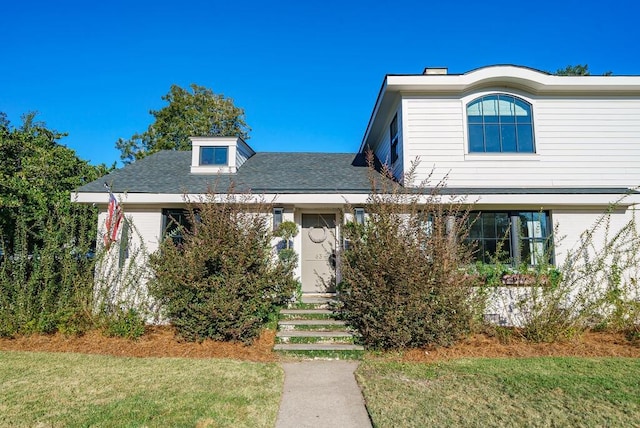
(565, 392)
(48, 389)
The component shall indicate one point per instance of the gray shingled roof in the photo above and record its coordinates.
(169, 172)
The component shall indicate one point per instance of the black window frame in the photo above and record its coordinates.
(393, 138)
(174, 220)
(494, 129)
(513, 243)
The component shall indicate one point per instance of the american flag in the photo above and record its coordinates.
(114, 217)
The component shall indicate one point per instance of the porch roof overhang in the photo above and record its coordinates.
(534, 198)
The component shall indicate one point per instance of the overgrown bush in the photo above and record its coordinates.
(403, 282)
(47, 242)
(121, 272)
(596, 287)
(47, 286)
(223, 281)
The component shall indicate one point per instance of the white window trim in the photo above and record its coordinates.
(501, 157)
(232, 147)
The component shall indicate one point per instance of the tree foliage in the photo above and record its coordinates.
(577, 70)
(46, 276)
(198, 112)
(37, 174)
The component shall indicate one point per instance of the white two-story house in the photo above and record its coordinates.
(531, 150)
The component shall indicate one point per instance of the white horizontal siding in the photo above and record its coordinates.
(589, 142)
(382, 146)
(124, 280)
(147, 226)
(433, 133)
(571, 224)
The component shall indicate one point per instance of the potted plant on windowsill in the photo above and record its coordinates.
(505, 275)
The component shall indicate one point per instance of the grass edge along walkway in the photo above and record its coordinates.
(67, 389)
(543, 391)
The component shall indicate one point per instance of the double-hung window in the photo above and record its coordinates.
(500, 123)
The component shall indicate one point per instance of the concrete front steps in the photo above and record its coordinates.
(309, 330)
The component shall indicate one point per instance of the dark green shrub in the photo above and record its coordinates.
(632, 333)
(288, 257)
(223, 281)
(403, 282)
(74, 321)
(125, 323)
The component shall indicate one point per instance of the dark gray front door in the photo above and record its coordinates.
(318, 253)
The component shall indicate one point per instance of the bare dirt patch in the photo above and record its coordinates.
(162, 342)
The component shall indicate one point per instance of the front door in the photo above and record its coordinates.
(318, 253)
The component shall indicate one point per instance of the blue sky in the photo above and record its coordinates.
(306, 73)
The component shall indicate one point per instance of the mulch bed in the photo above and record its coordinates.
(156, 342)
(590, 344)
(161, 342)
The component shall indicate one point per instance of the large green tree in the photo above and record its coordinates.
(46, 278)
(198, 112)
(37, 174)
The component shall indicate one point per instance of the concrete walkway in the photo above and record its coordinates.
(321, 394)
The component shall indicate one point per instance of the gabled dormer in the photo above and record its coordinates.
(218, 155)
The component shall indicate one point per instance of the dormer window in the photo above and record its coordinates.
(218, 155)
(214, 156)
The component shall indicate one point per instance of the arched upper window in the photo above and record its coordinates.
(500, 123)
